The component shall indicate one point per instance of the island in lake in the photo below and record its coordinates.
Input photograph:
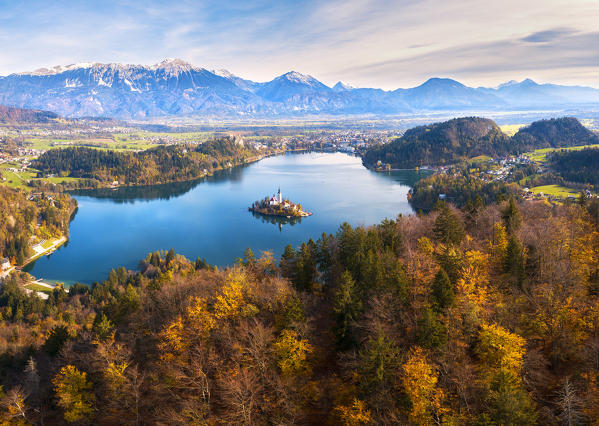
(277, 206)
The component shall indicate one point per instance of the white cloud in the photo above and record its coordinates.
(376, 43)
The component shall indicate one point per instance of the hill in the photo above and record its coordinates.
(577, 166)
(441, 143)
(461, 138)
(20, 115)
(173, 163)
(553, 133)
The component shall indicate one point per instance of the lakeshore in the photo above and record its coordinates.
(43, 248)
(119, 227)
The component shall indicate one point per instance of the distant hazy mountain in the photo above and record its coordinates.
(528, 93)
(444, 93)
(175, 87)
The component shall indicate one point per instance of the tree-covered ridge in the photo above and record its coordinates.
(577, 166)
(482, 316)
(156, 165)
(459, 139)
(21, 115)
(441, 144)
(553, 133)
(25, 219)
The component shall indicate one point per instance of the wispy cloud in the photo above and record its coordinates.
(547, 35)
(376, 43)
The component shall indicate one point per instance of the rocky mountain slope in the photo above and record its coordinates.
(175, 87)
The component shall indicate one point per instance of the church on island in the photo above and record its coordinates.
(278, 206)
(276, 200)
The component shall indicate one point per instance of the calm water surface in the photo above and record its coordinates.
(210, 219)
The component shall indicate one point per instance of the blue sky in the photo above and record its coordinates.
(366, 43)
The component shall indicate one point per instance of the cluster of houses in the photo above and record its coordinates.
(505, 166)
(34, 196)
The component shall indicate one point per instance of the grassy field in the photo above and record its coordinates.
(20, 179)
(16, 179)
(37, 287)
(540, 155)
(122, 144)
(58, 180)
(555, 191)
(48, 243)
(480, 159)
(511, 129)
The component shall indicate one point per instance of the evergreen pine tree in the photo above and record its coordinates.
(511, 217)
(443, 293)
(448, 229)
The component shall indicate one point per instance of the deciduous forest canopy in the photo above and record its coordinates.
(482, 316)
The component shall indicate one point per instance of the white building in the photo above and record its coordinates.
(275, 200)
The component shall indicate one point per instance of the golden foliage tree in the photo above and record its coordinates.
(419, 381)
(74, 393)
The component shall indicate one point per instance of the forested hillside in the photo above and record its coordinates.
(554, 133)
(441, 143)
(487, 316)
(20, 115)
(157, 165)
(577, 166)
(459, 139)
(40, 217)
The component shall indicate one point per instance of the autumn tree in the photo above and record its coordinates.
(292, 352)
(74, 393)
(419, 380)
(354, 414)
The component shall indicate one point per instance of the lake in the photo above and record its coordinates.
(209, 218)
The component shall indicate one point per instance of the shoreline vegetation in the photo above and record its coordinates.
(94, 168)
(278, 206)
(31, 225)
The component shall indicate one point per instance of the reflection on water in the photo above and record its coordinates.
(209, 218)
(129, 194)
(279, 221)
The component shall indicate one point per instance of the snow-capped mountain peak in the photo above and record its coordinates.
(340, 86)
(296, 77)
(223, 73)
(176, 87)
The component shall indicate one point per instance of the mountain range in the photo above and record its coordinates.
(175, 87)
